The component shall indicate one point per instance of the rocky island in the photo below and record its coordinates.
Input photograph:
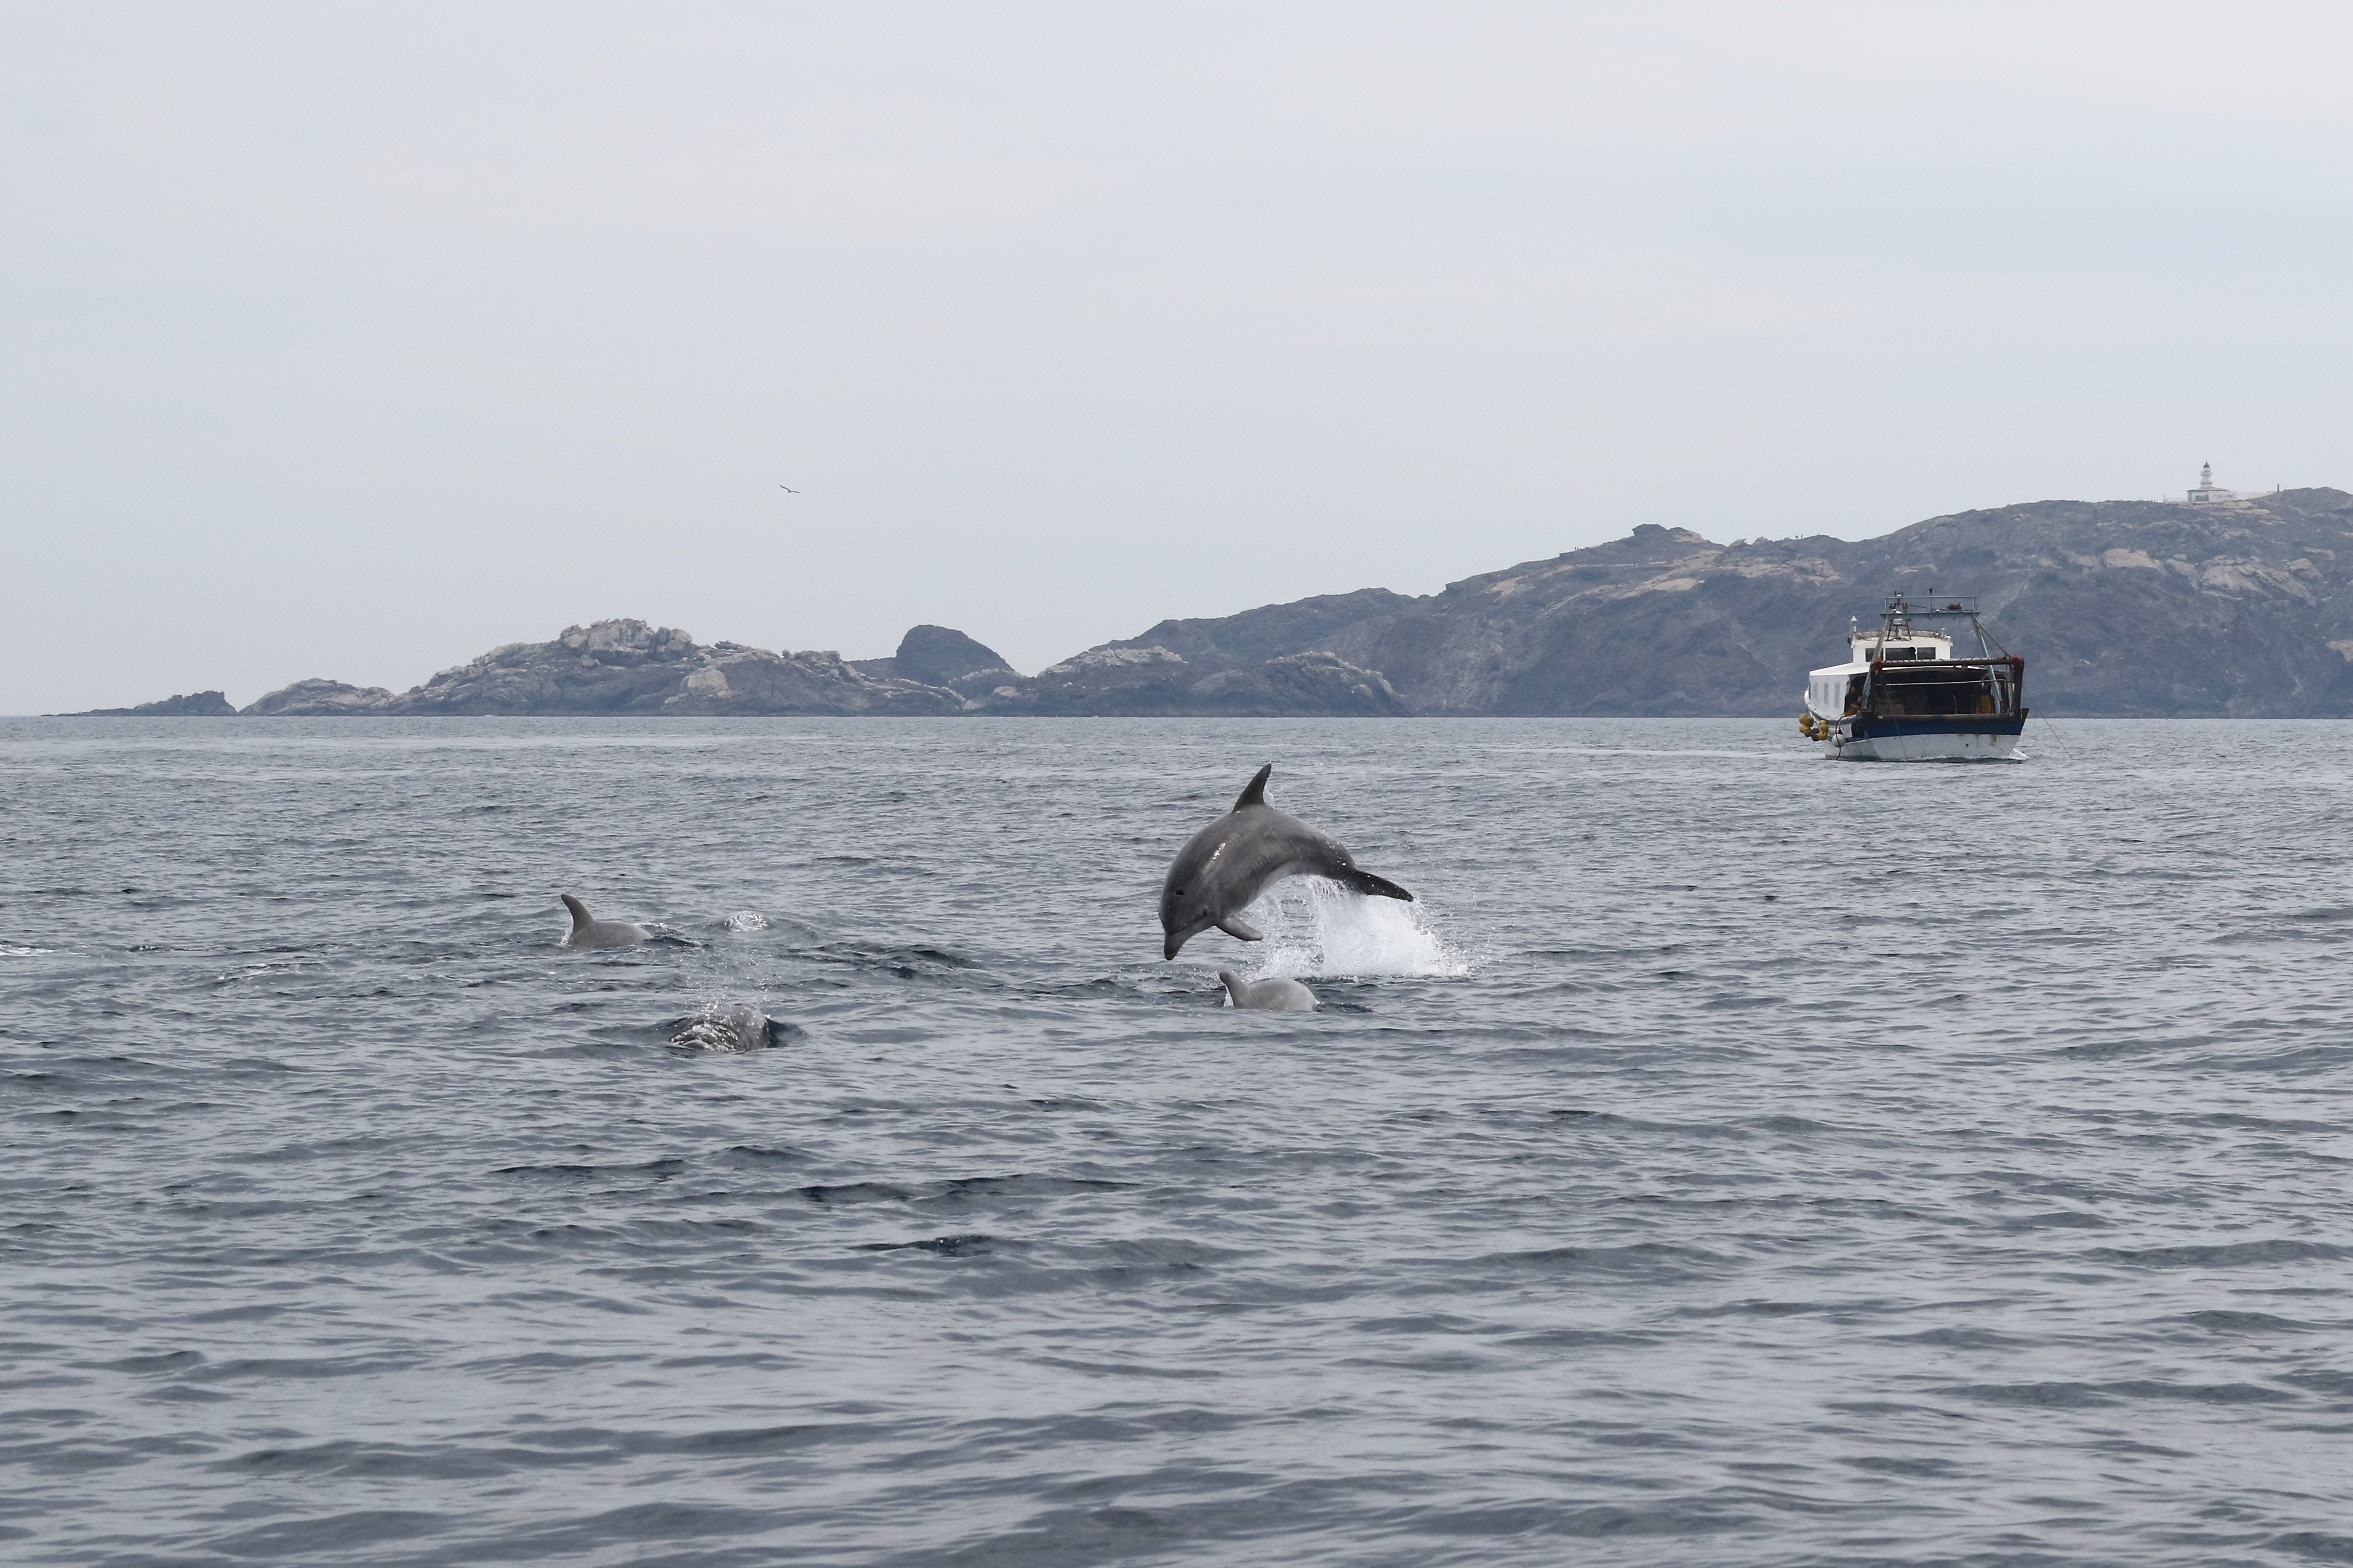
(195, 705)
(2221, 604)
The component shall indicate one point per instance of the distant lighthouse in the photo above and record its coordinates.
(2206, 494)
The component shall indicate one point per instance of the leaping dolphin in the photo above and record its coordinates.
(1268, 995)
(589, 932)
(1226, 865)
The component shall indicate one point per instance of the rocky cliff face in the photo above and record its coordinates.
(626, 667)
(1150, 679)
(942, 656)
(2120, 607)
(314, 697)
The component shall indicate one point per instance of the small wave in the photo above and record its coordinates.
(744, 920)
(1317, 928)
(17, 950)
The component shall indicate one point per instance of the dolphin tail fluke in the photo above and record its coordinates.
(1233, 927)
(581, 917)
(1379, 887)
(1254, 792)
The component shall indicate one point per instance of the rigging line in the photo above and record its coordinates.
(2051, 728)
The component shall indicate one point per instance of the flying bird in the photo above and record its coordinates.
(788, 489)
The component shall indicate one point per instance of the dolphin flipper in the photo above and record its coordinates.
(1365, 883)
(1233, 927)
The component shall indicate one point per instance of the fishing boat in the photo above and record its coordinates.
(1904, 695)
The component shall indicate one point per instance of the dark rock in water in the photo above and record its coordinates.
(313, 698)
(627, 667)
(942, 656)
(195, 705)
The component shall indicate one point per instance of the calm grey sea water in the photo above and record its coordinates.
(1734, 1158)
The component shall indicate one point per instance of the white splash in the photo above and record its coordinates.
(10, 950)
(745, 920)
(1314, 926)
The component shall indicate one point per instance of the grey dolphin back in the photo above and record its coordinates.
(587, 930)
(1277, 995)
(737, 1027)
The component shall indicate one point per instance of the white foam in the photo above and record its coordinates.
(745, 920)
(10, 950)
(1314, 926)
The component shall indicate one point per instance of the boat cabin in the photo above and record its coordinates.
(1895, 670)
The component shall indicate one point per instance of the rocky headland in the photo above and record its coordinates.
(623, 668)
(2244, 609)
(195, 705)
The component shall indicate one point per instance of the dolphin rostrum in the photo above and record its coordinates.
(1226, 865)
(589, 932)
(1268, 995)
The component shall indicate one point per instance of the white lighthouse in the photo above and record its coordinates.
(2209, 494)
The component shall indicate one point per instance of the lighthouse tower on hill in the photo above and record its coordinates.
(2208, 493)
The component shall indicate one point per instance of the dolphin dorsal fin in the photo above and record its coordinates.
(1254, 791)
(581, 919)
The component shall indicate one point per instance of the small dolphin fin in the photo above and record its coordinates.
(1233, 927)
(1379, 887)
(1233, 985)
(581, 919)
(1254, 791)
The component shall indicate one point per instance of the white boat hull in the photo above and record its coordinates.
(1945, 746)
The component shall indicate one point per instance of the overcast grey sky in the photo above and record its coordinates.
(353, 339)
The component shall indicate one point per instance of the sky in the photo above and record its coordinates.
(352, 340)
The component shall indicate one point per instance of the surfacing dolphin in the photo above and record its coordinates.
(587, 930)
(1226, 865)
(1268, 995)
(732, 1028)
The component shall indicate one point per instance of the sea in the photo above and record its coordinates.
(1730, 1157)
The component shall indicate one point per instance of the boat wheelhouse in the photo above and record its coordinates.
(1904, 695)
